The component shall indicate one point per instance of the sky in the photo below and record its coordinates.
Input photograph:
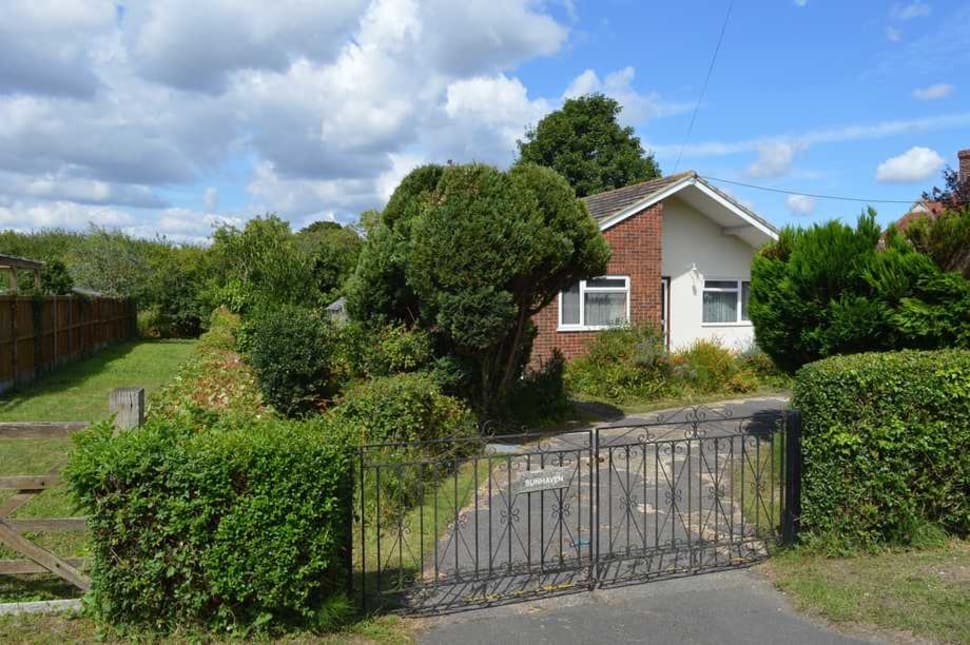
(172, 117)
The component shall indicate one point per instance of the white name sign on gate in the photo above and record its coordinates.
(550, 478)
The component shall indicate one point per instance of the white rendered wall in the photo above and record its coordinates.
(691, 239)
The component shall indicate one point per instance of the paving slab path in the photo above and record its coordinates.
(737, 606)
(667, 502)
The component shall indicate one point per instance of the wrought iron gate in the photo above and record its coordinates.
(441, 525)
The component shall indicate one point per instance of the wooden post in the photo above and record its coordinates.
(128, 406)
(54, 331)
(14, 359)
(70, 327)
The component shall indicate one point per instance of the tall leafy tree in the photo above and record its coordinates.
(111, 263)
(954, 194)
(945, 238)
(55, 278)
(332, 250)
(584, 142)
(471, 253)
(257, 265)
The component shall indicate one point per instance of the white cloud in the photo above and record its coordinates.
(857, 132)
(110, 106)
(909, 11)
(800, 204)
(637, 108)
(801, 3)
(46, 45)
(55, 187)
(197, 45)
(187, 222)
(893, 34)
(303, 198)
(774, 159)
(401, 165)
(933, 92)
(485, 116)
(481, 36)
(60, 214)
(916, 164)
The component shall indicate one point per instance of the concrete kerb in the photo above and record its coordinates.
(40, 607)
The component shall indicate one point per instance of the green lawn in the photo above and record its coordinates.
(925, 593)
(77, 392)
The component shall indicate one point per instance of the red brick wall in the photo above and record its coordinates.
(637, 247)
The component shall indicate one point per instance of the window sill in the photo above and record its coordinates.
(570, 328)
(746, 323)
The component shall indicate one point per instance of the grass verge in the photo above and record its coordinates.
(924, 593)
(71, 628)
(77, 392)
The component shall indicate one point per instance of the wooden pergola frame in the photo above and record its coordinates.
(11, 264)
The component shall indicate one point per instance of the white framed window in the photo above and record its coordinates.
(725, 302)
(598, 303)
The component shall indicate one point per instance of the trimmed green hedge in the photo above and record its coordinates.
(886, 441)
(231, 525)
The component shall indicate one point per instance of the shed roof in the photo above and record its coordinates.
(15, 262)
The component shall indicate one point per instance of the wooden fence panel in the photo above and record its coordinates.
(38, 334)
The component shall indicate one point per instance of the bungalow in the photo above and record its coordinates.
(682, 252)
(924, 207)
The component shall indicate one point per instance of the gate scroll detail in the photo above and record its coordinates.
(494, 518)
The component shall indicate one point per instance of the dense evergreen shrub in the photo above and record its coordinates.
(382, 350)
(834, 289)
(622, 364)
(231, 525)
(402, 408)
(216, 378)
(885, 439)
(469, 254)
(292, 351)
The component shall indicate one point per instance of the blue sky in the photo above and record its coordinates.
(173, 116)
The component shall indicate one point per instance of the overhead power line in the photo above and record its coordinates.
(814, 195)
(707, 78)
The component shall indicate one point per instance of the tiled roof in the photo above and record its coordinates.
(922, 208)
(603, 205)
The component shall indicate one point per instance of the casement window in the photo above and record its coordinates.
(599, 303)
(726, 301)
